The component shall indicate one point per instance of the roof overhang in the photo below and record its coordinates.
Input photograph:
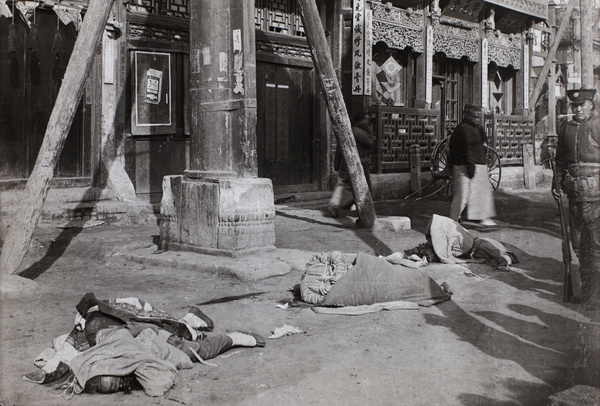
(533, 8)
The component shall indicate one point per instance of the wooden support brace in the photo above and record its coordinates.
(550, 57)
(23, 226)
(337, 111)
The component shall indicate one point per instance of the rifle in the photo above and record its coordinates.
(566, 241)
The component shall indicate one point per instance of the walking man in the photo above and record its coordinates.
(342, 197)
(471, 188)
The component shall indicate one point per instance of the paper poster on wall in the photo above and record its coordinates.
(152, 89)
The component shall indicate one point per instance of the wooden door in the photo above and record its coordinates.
(32, 64)
(286, 145)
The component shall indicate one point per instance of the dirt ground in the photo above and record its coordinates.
(505, 338)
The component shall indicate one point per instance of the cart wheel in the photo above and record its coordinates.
(494, 167)
(442, 177)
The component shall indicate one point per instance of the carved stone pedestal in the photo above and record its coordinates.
(221, 215)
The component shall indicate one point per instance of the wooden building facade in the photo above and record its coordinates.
(430, 59)
(412, 63)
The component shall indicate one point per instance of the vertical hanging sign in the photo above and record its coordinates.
(368, 51)
(429, 65)
(485, 102)
(526, 75)
(358, 40)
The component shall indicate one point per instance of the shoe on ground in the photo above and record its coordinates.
(487, 223)
(334, 211)
(247, 339)
(590, 303)
(592, 306)
(577, 299)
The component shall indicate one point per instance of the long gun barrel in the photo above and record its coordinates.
(566, 244)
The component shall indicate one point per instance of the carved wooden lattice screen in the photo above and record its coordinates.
(279, 16)
(508, 134)
(398, 128)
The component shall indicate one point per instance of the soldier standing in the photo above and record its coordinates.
(578, 168)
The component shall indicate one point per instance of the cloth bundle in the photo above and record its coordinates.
(320, 274)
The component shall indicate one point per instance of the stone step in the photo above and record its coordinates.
(113, 212)
(288, 198)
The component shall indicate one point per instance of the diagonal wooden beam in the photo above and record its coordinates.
(23, 226)
(337, 111)
(553, 48)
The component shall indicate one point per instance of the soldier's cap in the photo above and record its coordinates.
(579, 96)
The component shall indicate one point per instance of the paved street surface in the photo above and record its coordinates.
(505, 338)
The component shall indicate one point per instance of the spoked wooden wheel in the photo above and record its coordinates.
(442, 175)
(494, 167)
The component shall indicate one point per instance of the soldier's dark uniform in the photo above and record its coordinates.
(578, 166)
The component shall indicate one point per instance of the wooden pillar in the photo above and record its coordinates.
(483, 69)
(480, 70)
(528, 167)
(552, 80)
(587, 43)
(220, 206)
(334, 25)
(552, 101)
(523, 76)
(424, 68)
(575, 77)
(222, 88)
(415, 168)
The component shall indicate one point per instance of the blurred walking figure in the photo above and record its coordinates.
(578, 168)
(472, 193)
(342, 197)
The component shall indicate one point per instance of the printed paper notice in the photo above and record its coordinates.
(237, 40)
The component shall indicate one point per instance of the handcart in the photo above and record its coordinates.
(441, 173)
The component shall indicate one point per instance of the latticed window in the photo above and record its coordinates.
(172, 8)
(452, 93)
(279, 16)
(452, 73)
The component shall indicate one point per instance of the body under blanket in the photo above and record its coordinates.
(373, 280)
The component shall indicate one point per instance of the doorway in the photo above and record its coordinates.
(287, 145)
(31, 72)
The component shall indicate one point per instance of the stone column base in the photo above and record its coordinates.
(228, 216)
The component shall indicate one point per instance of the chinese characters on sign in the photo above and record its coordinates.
(359, 45)
(368, 51)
